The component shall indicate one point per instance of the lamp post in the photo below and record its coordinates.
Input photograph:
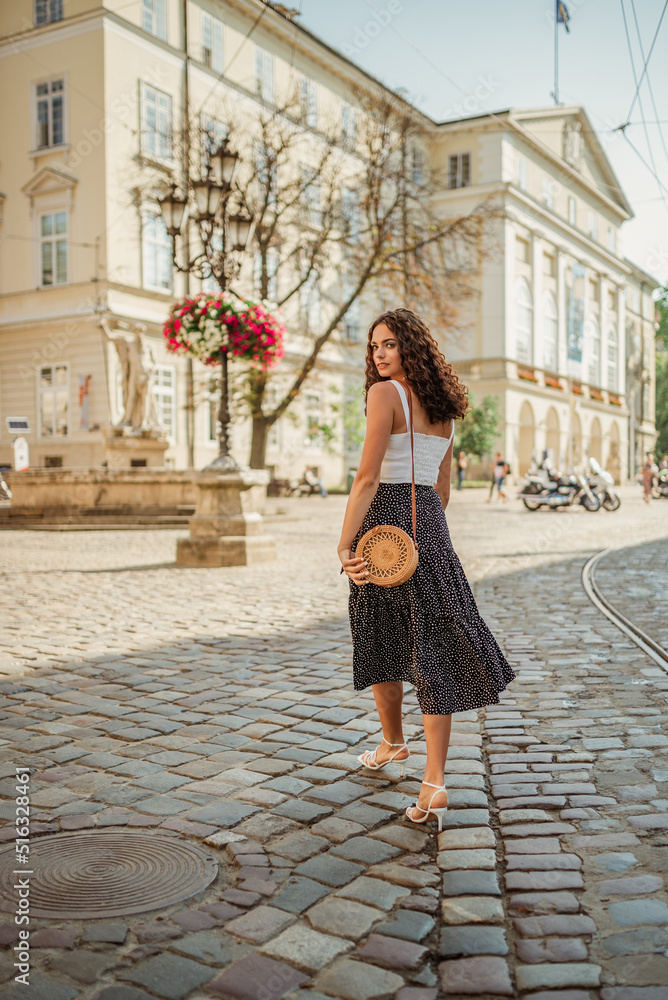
(224, 235)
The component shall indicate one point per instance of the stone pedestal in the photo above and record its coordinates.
(226, 529)
(123, 447)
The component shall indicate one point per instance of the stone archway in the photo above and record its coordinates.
(613, 463)
(527, 438)
(552, 435)
(596, 440)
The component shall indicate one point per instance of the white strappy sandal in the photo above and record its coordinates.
(373, 765)
(436, 813)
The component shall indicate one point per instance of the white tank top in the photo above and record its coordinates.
(429, 449)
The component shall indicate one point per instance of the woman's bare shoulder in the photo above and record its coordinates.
(381, 391)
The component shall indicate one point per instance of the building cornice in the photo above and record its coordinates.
(46, 34)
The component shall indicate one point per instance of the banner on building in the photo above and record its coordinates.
(84, 391)
(576, 313)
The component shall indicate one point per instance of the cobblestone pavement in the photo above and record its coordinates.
(634, 582)
(216, 707)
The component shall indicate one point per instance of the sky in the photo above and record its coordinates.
(441, 53)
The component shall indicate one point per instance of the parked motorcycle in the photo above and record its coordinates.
(546, 488)
(602, 484)
(660, 491)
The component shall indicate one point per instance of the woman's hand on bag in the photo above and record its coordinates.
(353, 566)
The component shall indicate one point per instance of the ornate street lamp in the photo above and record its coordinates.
(224, 235)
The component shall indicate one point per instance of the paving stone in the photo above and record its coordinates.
(638, 911)
(291, 786)
(366, 815)
(544, 880)
(306, 948)
(41, 988)
(543, 902)
(636, 942)
(259, 924)
(557, 974)
(404, 875)
(392, 952)
(629, 886)
(114, 933)
(351, 980)
(336, 830)
(52, 937)
(564, 924)
(472, 940)
(329, 869)
(169, 976)
(122, 993)
(365, 850)
(207, 946)
(343, 917)
(533, 845)
(224, 813)
(407, 924)
(302, 812)
(480, 974)
(468, 838)
(617, 861)
(157, 931)
(424, 904)
(193, 920)
(222, 911)
(401, 836)
(552, 949)
(299, 846)
(257, 976)
(472, 910)
(471, 883)
(465, 817)
(339, 793)
(633, 993)
(459, 858)
(298, 894)
(264, 826)
(374, 891)
(85, 967)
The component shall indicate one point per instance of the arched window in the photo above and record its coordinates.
(593, 340)
(523, 322)
(613, 355)
(550, 333)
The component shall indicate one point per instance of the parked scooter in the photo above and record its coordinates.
(546, 488)
(602, 484)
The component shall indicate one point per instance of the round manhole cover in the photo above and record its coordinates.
(104, 873)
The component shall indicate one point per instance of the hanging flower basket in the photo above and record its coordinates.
(206, 324)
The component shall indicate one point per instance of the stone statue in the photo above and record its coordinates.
(137, 367)
(572, 144)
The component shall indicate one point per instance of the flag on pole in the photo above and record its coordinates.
(563, 17)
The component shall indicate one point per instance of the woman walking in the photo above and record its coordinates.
(462, 465)
(427, 631)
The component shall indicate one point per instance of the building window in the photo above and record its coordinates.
(350, 212)
(264, 75)
(522, 249)
(213, 134)
(351, 322)
(521, 173)
(548, 193)
(459, 170)
(612, 359)
(612, 300)
(308, 102)
(156, 253)
(47, 11)
(523, 322)
(164, 393)
(313, 431)
(348, 126)
(50, 113)
(311, 196)
(271, 266)
(53, 401)
(592, 226)
(154, 18)
(612, 240)
(310, 302)
(53, 248)
(550, 334)
(549, 265)
(572, 211)
(593, 332)
(418, 166)
(212, 42)
(594, 290)
(156, 124)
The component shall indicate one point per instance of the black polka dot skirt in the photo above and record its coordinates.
(427, 631)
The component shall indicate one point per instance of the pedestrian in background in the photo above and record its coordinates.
(462, 465)
(426, 631)
(500, 467)
(647, 474)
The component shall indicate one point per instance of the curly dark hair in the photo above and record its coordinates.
(429, 375)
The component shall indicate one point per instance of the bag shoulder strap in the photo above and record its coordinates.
(407, 403)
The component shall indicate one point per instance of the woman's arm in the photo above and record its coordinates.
(379, 418)
(443, 481)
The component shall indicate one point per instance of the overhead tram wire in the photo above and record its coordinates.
(649, 56)
(637, 94)
(221, 76)
(649, 85)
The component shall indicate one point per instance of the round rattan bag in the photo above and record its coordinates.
(390, 555)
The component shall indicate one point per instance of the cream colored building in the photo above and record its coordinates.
(97, 90)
